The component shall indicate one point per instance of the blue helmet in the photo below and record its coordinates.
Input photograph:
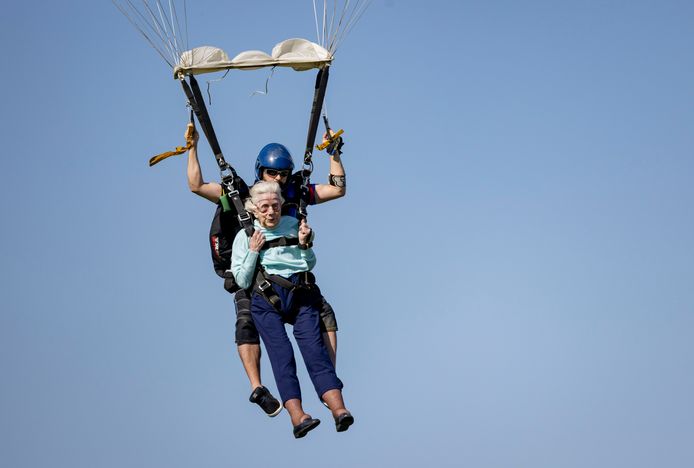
(273, 156)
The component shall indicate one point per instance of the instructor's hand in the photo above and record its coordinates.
(192, 136)
(256, 242)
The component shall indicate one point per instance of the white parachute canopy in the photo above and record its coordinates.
(164, 25)
(299, 54)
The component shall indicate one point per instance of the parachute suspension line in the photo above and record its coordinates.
(318, 98)
(315, 16)
(176, 26)
(333, 38)
(354, 17)
(332, 20)
(267, 83)
(160, 26)
(337, 24)
(185, 22)
(141, 30)
(209, 95)
(325, 13)
(161, 29)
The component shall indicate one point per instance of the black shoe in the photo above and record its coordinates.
(343, 421)
(262, 397)
(304, 427)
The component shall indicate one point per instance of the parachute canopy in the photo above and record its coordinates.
(299, 54)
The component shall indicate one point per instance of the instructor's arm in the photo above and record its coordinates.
(327, 192)
(210, 190)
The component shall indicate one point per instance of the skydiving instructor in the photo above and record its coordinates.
(274, 164)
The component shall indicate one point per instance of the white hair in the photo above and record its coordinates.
(261, 188)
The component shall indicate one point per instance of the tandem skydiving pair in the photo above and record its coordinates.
(270, 272)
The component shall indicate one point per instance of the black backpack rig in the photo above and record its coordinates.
(226, 223)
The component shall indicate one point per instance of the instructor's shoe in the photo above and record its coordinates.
(304, 427)
(262, 397)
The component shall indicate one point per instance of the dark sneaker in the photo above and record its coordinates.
(262, 397)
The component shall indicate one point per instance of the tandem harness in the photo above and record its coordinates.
(231, 182)
(262, 284)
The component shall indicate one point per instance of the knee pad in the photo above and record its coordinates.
(328, 322)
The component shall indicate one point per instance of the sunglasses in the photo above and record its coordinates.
(275, 173)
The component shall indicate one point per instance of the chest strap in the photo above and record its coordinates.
(280, 242)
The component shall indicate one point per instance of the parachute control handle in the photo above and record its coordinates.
(190, 130)
(334, 142)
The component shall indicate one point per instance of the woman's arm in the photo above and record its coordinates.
(244, 255)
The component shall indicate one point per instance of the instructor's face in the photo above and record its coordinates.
(268, 210)
(280, 177)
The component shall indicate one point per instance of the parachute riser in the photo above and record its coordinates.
(318, 98)
(228, 174)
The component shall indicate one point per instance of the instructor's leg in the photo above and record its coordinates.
(330, 341)
(328, 327)
(250, 358)
(247, 340)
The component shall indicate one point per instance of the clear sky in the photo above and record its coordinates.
(512, 268)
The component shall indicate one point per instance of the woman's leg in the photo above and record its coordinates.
(296, 411)
(309, 338)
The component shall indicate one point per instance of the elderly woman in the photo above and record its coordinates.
(283, 293)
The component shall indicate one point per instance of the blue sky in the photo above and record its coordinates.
(511, 269)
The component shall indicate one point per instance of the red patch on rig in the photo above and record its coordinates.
(214, 242)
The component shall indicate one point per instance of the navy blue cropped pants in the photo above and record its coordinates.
(301, 309)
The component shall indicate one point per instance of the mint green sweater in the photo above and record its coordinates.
(283, 261)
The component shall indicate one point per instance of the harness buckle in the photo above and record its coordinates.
(244, 217)
(264, 286)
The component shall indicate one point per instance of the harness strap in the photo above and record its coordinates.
(280, 242)
(318, 98)
(264, 282)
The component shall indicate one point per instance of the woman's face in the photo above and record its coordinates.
(268, 210)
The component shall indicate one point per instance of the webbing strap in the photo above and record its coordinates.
(280, 242)
(318, 98)
(243, 216)
(264, 281)
(197, 103)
